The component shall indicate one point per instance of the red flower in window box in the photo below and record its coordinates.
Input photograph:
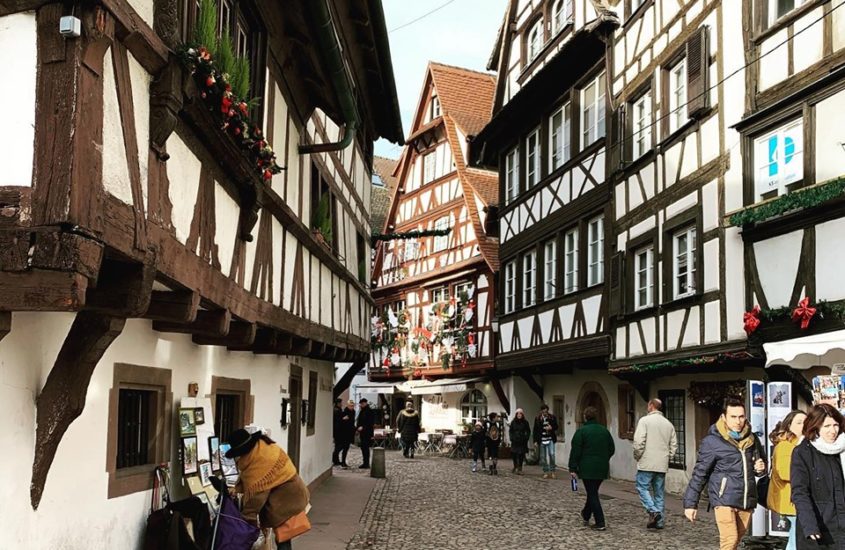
(803, 313)
(751, 320)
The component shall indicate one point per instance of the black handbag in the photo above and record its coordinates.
(763, 491)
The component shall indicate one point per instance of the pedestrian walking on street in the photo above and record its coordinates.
(818, 483)
(477, 442)
(589, 459)
(545, 436)
(728, 459)
(520, 434)
(347, 431)
(408, 424)
(336, 428)
(655, 442)
(493, 429)
(785, 437)
(365, 425)
(273, 493)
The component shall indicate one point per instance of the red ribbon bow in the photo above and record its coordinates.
(751, 320)
(804, 312)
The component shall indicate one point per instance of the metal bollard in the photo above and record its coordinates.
(377, 466)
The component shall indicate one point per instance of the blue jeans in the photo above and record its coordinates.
(547, 457)
(791, 544)
(650, 486)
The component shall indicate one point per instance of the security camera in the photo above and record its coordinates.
(70, 26)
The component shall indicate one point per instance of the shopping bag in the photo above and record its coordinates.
(293, 527)
(233, 532)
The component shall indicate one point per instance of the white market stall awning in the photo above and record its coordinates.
(444, 385)
(827, 349)
(376, 387)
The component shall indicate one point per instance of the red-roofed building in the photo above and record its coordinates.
(435, 294)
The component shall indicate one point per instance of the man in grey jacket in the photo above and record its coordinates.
(655, 442)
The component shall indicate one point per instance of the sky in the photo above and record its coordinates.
(461, 33)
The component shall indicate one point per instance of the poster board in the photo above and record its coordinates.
(779, 405)
(756, 410)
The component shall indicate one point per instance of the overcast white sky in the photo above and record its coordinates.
(461, 33)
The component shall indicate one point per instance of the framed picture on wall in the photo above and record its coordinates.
(214, 454)
(189, 455)
(187, 422)
(199, 415)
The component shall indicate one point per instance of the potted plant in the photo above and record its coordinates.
(322, 221)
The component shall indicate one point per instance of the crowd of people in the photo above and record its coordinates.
(804, 484)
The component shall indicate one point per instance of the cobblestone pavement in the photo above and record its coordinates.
(437, 503)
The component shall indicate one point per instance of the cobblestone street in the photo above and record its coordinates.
(437, 503)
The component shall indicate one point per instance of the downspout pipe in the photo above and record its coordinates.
(332, 57)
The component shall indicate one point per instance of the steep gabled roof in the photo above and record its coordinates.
(465, 95)
(381, 196)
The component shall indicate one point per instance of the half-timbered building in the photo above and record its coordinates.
(150, 242)
(547, 140)
(434, 293)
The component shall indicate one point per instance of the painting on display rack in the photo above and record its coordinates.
(214, 453)
(189, 455)
(205, 474)
(187, 422)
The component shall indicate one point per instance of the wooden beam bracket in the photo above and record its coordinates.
(241, 335)
(123, 289)
(211, 324)
(177, 306)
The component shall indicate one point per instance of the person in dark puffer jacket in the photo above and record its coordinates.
(818, 481)
(728, 459)
(477, 440)
(408, 424)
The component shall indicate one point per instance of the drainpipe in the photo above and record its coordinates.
(333, 59)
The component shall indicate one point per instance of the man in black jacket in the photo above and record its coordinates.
(545, 436)
(336, 427)
(365, 424)
(728, 459)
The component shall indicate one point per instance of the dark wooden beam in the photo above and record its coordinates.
(241, 335)
(207, 323)
(138, 37)
(5, 323)
(15, 202)
(265, 342)
(123, 289)
(343, 383)
(318, 350)
(301, 346)
(500, 393)
(62, 399)
(42, 290)
(8, 7)
(532, 383)
(177, 306)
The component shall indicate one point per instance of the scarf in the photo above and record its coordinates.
(264, 467)
(835, 448)
(744, 439)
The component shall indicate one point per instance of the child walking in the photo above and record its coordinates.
(476, 443)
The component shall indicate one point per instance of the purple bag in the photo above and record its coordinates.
(233, 532)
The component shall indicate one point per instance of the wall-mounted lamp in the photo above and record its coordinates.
(494, 324)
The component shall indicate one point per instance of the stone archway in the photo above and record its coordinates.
(592, 395)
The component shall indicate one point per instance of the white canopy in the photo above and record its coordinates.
(376, 387)
(827, 349)
(444, 385)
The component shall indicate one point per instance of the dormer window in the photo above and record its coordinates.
(434, 108)
(535, 40)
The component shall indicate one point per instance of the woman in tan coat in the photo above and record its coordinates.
(273, 493)
(785, 436)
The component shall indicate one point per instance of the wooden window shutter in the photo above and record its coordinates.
(616, 305)
(622, 403)
(698, 71)
(619, 142)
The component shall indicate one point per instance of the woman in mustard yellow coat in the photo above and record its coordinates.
(785, 436)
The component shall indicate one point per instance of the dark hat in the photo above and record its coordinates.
(242, 442)
(363, 400)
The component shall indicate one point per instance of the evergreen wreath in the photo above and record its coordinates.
(796, 200)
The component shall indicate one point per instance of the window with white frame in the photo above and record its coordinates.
(532, 154)
(562, 14)
(535, 40)
(429, 163)
(412, 249)
(593, 111)
(512, 175)
(641, 127)
(560, 125)
(778, 160)
(595, 251)
(549, 269)
(510, 287)
(529, 278)
(683, 262)
(779, 8)
(434, 108)
(644, 277)
(677, 95)
(441, 242)
(463, 288)
(570, 261)
(440, 295)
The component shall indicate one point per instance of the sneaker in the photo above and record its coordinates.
(553, 475)
(545, 476)
(658, 520)
(598, 527)
(364, 467)
(584, 522)
(652, 521)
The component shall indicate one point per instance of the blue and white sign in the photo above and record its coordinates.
(779, 157)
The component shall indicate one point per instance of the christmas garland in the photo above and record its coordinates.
(713, 394)
(410, 234)
(229, 106)
(796, 200)
(680, 363)
(804, 313)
